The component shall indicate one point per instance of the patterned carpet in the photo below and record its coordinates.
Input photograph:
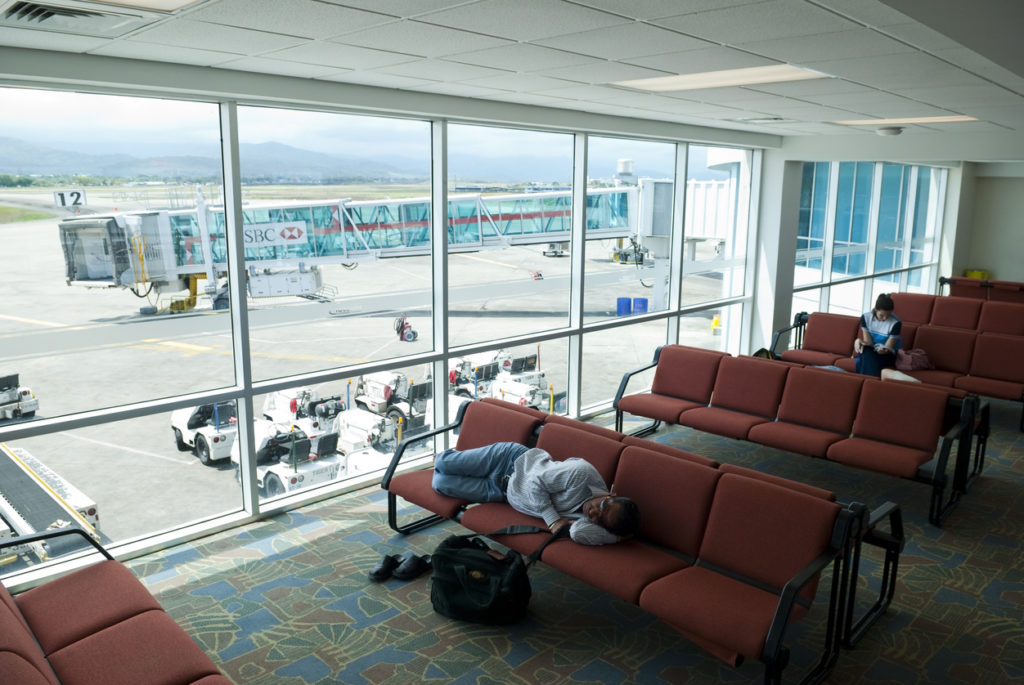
(287, 600)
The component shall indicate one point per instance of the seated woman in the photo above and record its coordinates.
(879, 338)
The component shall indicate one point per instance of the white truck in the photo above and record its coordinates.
(34, 498)
(16, 400)
(209, 430)
(285, 461)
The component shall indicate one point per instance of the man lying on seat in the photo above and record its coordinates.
(563, 493)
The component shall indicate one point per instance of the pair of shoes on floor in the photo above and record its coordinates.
(404, 567)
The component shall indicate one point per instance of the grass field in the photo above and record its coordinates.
(10, 215)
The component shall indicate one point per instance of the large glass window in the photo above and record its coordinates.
(629, 226)
(337, 236)
(118, 291)
(853, 205)
(881, 220)
(608, 354)
(509, 221)
(810, 242)
(89, 312)
(716, 222)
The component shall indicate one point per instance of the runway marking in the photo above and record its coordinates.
(21, 319)
(130, 449)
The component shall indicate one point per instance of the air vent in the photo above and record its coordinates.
(67, 16)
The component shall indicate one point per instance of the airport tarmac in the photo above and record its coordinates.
(84, 348)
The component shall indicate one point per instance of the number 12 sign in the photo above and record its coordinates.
(69, 198)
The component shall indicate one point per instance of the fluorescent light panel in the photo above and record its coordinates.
(723, 79)
(953, 118)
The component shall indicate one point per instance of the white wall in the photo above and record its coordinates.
(997, 228)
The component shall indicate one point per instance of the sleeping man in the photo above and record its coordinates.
(563, 493)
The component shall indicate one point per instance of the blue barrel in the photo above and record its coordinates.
(639, 305)
(622, 307)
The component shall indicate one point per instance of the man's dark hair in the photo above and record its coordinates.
(627, 521)
(885, 303)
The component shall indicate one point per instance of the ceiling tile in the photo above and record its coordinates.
(762, 21)
(522, 57)
(425, 40)
(200, 35)
(653, 9)
(163, 53)
(826, 46)
(441, 70)
(304, 18)
(276, 66)
(867, 12)
(697, 61)
(812, 88)
(625, 41)
(920, 36)
(909, 70)
(341, 56)
(524, 83)
(522, 19)
(602, 72)
(1013, 117)
(399, 8)
(962, 96)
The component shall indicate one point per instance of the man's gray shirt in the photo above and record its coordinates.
(543, 487)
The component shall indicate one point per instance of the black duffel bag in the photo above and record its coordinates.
(470, 581)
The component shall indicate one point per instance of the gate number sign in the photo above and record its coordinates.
(69, 198)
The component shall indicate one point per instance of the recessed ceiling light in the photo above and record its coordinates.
(159, 5)
(906, 120)
(723, 79)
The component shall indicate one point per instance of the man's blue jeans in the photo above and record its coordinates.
(478, 474)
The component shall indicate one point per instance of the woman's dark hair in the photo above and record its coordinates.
(628, 520)
(885, 303)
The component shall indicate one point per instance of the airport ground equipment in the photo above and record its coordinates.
(304, 408)
(209, 430)
(34, 498)
(286, 462)
(16, 400)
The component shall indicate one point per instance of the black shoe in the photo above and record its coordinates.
(411, 566)
(384, 569)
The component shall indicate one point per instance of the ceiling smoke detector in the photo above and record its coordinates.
(889, 130)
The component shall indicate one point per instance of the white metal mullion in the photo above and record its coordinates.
(828, 240)
(908, 228)
(233, 221)
(752, 170)
(677, 242)
(439, 263)
(867, 301)
(577, 252)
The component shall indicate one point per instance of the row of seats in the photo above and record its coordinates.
(984, 316)
(98, 625)
(726, 555)
(996, 291)
(900, 429)
(989, 364)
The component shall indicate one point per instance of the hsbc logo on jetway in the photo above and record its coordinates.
(275, 234)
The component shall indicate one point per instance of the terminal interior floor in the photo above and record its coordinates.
(287, 600)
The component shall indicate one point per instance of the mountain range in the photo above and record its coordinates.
(273, 162)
